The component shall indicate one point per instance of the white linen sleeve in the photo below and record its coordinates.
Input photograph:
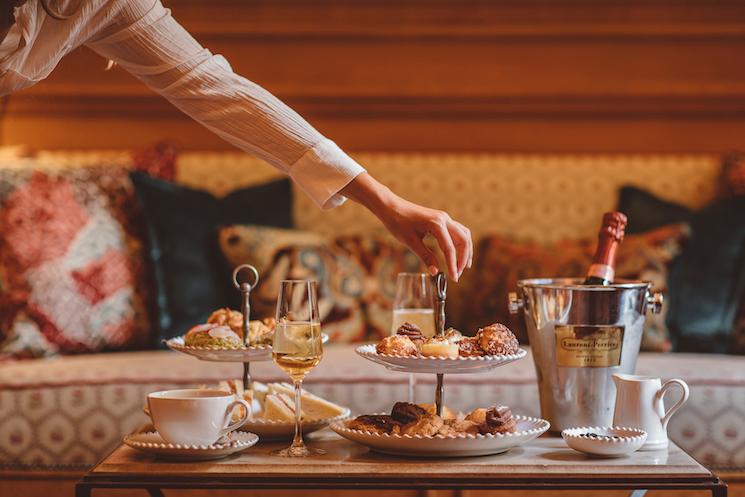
(144, 39)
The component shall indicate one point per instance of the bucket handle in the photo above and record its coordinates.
(514, 303)
(654, 302)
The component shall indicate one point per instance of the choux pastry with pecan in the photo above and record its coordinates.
(396, 345)
(497, 339)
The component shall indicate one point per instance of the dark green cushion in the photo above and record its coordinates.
(707, 280)
(190, 275)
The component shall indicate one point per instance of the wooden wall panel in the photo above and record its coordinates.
(437, 75)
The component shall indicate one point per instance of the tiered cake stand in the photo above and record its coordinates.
(443, 446)
(246, 355)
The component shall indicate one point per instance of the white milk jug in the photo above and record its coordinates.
(639, 404)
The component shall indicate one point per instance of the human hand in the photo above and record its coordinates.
(410, 223)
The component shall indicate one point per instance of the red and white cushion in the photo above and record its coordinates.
(72, 274)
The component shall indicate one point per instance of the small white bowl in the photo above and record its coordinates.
(604, 441)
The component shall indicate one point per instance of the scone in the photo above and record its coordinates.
(427, 426)
(458, 426)
(228, 317)
(477, 416)
(470, 347)
(439, 347)
(497, 339)
(447, 413)
(396, 345)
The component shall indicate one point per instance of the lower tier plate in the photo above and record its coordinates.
(446, 446)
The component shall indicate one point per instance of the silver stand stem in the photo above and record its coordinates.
(441, 285)
(245, 289)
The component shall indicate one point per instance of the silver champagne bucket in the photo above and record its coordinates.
(580, 335)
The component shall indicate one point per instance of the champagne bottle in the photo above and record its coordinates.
(602, 269)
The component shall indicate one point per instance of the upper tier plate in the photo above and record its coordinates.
(214, 354)
(420, 364)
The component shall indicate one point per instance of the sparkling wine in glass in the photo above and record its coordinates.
(415, 304)
(297, 347)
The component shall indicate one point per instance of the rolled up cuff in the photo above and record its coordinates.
(323, 171)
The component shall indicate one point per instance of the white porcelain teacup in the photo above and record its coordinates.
(195, 416)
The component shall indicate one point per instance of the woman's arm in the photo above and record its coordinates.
(143, 38)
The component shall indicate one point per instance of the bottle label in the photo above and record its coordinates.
(581, 346)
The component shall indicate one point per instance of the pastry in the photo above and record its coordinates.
(477, 416)
(413, 332)
(375, 423)
(212, 335)
(405, 412)
(498, 420)
(439, 347)
(228, 317)
(261, 332)
(396, 345)
(426, 426)
(453, 336)
(493, 420)
(497, 339)
(458, 426)
(432, 409)
(470, 347)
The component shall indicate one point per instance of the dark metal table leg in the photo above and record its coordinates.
(82, 490)
(719, 489)
(154, 492)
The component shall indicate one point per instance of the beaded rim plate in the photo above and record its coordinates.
(282, 430)
(152, 443)
(461, 445)
(256, 353)
(606, 441)
(421, 364)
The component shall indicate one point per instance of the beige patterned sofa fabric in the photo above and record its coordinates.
(541, 198)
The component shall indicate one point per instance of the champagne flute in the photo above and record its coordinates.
(415, 304)
(297, 347)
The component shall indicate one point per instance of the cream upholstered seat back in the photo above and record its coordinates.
(543, 198)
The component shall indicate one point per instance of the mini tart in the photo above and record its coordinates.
(439, 347)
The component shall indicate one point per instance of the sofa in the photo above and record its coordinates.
(64, 413)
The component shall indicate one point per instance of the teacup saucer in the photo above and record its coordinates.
(152, 443)
(604, 441)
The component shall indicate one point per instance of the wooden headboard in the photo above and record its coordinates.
(436, 76)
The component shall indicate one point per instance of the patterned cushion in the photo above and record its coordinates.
(72, 273)
(74, 410)
(356, 274)
(732, 180)
(501, 263)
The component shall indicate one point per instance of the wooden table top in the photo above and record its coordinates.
(546, 458)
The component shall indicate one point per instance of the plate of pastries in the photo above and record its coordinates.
(221, 338)
(410, 351)
(416, 430)
(273, 409)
